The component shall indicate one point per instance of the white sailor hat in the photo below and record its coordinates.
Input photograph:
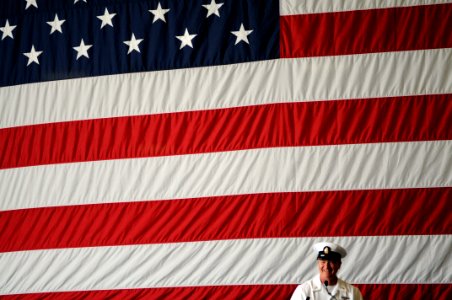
(329, 251)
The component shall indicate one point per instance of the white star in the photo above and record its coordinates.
(75, 1)
(106, 18)
(242, 35)
(56, 24)
(7, 30)
(213, 8)
(186, 39)
(32, 55)
(133, 44)
(159, 13)
(82, 50)
(30, 3)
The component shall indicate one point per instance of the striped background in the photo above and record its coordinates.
(121, 186)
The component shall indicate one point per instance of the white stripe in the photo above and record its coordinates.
(283, 80)
(412, 259)
(345, 167)
(299, 7)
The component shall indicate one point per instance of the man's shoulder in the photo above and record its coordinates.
(345, 284)
(349, 288)
(301, 291)
(311, 284)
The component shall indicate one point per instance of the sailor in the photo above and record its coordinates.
(326, 285)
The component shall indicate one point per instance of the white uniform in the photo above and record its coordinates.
(316, 291)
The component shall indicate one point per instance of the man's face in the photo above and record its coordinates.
(328, 268)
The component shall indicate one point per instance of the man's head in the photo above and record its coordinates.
(328, 269)
(329, 261)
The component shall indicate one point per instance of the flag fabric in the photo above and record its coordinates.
(172, 149)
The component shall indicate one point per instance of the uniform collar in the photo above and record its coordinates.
(339, 287)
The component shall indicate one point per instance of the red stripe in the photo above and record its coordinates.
(356, 213)
(406, 291)
(367, 31)
(369, 291)
(412, 118)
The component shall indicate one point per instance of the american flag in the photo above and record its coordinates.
(175, 149)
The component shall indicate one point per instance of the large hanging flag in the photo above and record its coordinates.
(197, 149)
